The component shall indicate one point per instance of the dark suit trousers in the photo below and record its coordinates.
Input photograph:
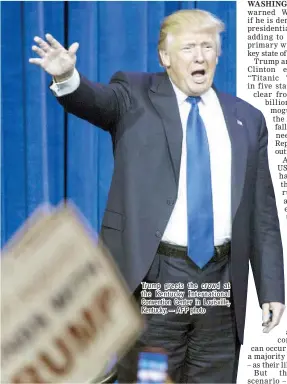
(202, 348)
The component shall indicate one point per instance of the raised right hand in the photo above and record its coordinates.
(54, 58)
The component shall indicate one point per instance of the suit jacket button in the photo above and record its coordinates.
(170, 202)
(158, 234)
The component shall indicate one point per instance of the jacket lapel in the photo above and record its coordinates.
(239, 148)
(163, 98)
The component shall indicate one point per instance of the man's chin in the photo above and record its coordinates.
(198, 89)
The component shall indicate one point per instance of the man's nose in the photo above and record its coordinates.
(198, 54)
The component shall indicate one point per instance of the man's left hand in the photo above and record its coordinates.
(271, 315)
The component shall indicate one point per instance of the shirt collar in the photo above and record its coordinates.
(181, 96)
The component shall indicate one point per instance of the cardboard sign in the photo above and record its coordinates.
(65, 310)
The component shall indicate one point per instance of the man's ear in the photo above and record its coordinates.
(165, 59)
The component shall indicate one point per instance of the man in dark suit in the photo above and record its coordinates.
(191, 199)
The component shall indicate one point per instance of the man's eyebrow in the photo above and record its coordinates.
(188, 43)
(194, 42)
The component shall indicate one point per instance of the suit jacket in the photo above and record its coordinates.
(141, 113)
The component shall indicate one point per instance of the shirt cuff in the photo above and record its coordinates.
(66, 87)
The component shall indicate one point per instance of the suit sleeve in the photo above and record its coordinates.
(101, 105)
(267, 254)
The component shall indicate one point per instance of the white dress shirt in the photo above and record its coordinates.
(68, 86)
(220, 159)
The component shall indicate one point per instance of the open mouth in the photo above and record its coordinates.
(198, 75)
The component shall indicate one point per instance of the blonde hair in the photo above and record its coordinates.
(191, 19)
